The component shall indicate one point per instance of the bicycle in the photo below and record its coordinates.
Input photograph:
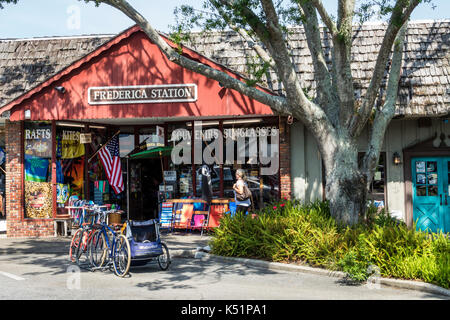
(108, 246)
(82, 238)
(87, 224)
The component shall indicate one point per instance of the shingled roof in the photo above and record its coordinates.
(26, 63)
(424, 87)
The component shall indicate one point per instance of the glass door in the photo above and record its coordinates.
(446, 195)
(431, 193)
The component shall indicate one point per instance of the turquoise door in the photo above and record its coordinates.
(431, 193)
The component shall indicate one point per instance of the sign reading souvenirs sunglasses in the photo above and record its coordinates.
(164, 93)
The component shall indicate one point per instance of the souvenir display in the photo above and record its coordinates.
(62, 193)
(421, 178)
(432, 178)
(431, 166)
(70, 145)
(38, 199)
(36, 168)
(38, 141)
(420, 166)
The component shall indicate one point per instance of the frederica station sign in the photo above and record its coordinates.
(143, 94)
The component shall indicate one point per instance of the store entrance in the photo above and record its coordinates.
(145, 178)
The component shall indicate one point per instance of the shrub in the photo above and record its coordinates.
(289, 231)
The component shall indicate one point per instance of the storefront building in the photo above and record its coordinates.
(103, 86)
(127, 90)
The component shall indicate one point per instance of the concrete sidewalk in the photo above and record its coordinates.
(177, 242)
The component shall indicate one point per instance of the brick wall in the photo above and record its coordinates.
(17, 226)
(285, 159)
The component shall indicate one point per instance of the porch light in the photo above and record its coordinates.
(396, 158)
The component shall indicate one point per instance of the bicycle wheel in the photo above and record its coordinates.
(97, 249)
(164, 259)
(74, 243)
(81, 254)
(121, 256)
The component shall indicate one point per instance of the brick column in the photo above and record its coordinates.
(17, 226)
(285, 159)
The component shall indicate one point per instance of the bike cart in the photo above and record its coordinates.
(145, 243)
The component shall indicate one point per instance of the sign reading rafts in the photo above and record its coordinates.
(143, 94)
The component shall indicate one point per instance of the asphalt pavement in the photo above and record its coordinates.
(39, 269)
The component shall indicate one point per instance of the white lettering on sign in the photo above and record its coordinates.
(143, 94)
(37, 134)
(71, 135)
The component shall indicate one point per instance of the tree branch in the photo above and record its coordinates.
(325, 17)
(398, 18)
(279, 104)
(385, 115)
(342, 43)
(325, 91)
(260, 51)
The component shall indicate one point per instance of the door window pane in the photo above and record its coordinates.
(432, 191)
(420, 166)
(421, 191)
(421, 179)
(432, 178)
(431, 166)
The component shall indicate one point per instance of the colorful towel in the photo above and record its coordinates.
(36, 168)
(62, 193)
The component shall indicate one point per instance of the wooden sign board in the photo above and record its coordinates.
(85, 137)
(165, 93)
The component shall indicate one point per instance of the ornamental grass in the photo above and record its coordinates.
(292, 232)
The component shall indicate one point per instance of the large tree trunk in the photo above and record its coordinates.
(346, 185)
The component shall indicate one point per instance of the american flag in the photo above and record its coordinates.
(110, 157)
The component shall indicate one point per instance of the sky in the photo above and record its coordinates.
(44, 18)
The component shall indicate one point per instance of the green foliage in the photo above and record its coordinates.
(289, 231)
(8, 2)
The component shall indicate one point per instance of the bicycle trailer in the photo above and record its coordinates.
(146, 244)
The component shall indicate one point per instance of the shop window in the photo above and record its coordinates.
(180, 183)
(37, 158)
(250, 144)
(126, 141)
(151, 137)
(70, 164)
(100, 191)
(377, 188)
(253, 146)
(209, 153)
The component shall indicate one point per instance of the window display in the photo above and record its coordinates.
(378, 185)
(37, 158)
(70, 158)
(225, 146)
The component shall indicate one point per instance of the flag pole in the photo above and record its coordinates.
(103, 146)
(128, 188)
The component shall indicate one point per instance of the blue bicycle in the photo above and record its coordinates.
(109, 247)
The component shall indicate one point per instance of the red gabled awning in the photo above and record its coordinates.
(130, 59)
